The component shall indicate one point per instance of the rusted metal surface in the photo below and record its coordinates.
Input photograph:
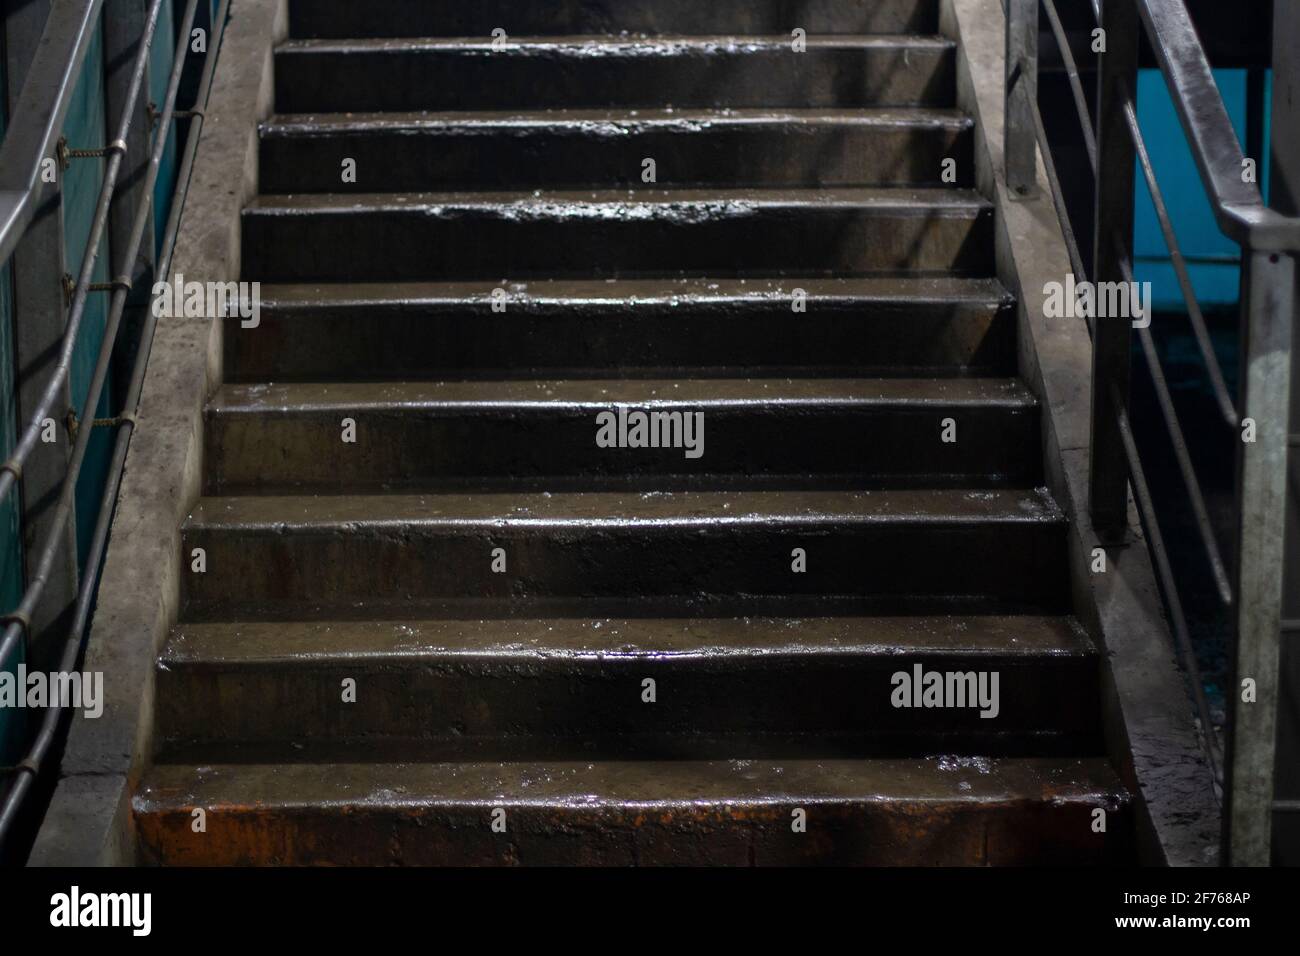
(932, 811)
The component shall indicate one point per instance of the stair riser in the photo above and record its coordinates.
(852, 833)
(1045, 706)
(404, 78)
(558, 156)
(735, 240)
(342, 19)
(464, 339)
(427, 448)
(907, 565)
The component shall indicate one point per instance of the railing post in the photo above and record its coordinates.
(1284, 196)
(1112, 249)
(1262, 462)
(1020, 139)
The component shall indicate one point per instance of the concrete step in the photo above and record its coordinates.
(372, 555)
(397, 152)
(476, 435)
(626, 328)
(570, 72)
(914, 811)
(444, 686)
(343, 19)
(401, 236)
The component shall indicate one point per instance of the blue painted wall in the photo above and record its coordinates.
(1213, 259)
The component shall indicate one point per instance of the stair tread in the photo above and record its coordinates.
(257, 398)
(623, 203)
(613, 45)
(694, 119)
(455, 17)
(708, 639)
(626, 784)
(626, 510)
(636, 292)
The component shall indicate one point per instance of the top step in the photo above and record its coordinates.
(341, 19)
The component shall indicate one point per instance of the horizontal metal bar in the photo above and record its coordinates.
(1291, 626)
(36, 121)
(1286, 806)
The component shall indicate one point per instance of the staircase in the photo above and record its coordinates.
(565, 653)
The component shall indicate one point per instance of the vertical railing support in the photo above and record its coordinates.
(1267, 313)
(1020, 136)
(1112, 252)
(1284, 197)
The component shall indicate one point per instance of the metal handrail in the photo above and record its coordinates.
(11, 469)
(1269, 242)
(26, 770)
(19, 623)
(38, 116)
(1239, 206)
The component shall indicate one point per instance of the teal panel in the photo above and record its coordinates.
(1212, 257)
(84, 128)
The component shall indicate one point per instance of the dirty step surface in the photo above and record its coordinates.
(910, 549)
(855, 432)
(666, 328)
(572, 148)
(437, 686)
(611, 233)
(915, 811)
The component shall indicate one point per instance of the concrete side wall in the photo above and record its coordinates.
(89, 820)
(1150, 731)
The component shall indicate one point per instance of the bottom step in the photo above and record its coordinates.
(917, 811)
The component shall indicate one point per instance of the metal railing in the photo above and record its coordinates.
(33, 139)
(1116, 151)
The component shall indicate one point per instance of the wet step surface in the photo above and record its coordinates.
(429, 617)
(911, 549)
(645, 328)
(559, 148)
(442, 686)
(343, 19)
(607, 233)
(911, 811)
(366, 75)
(414, 434)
